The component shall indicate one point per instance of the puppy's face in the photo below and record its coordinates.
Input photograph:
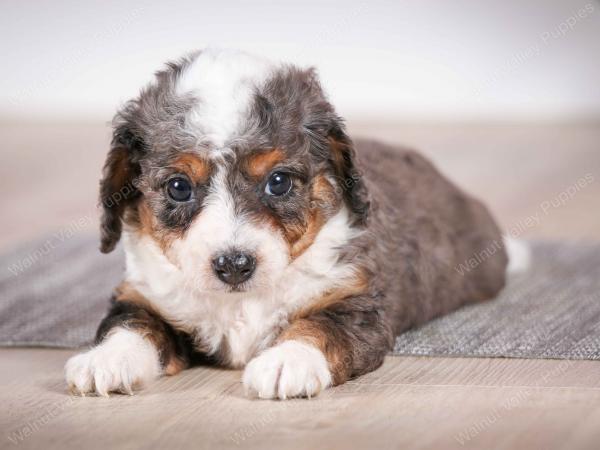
(233, 219)
(231, 166)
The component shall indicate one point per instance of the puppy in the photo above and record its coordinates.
(258, 236)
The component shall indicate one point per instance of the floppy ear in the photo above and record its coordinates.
(343, 158)
(117, 187)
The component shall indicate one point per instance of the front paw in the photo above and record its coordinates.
(121, 363)
(290, 369)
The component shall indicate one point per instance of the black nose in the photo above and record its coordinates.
(234, 268)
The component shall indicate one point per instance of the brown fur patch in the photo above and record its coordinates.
(324, 335)
(148, 225)
(151, 328)
(125, 293)
(356, 287)
(117, 191)
(323, 204)
(196, 168)
(302, 237)
(337, 151)
(175, 365)
(120, 171)
(259, 164)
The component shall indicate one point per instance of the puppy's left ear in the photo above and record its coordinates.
(118, 185)
(343, 159)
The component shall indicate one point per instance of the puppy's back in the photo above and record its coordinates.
(437, 247)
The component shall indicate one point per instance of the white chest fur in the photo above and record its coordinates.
(245, 322)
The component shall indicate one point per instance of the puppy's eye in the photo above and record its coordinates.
(279, 184)
(179, 189)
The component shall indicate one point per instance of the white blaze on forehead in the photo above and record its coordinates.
(224, 82)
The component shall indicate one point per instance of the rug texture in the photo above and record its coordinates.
(54, 293)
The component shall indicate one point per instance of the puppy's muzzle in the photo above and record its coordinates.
(234, 268)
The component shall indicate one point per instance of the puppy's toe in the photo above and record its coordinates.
(290, 369)
(78, 374)
(122, 362)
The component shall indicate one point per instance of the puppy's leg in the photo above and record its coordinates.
(327, 348)
(133, 347)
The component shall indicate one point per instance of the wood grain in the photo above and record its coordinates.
(411, 402)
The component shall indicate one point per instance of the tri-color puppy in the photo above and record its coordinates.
(258, 235)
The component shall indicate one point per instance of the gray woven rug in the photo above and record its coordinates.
(550, 312)
(54, 292)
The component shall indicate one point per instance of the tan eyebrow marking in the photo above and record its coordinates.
(193, 166)
(258, 165)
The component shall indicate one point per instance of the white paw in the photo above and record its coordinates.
(122, 362)
(290, 369)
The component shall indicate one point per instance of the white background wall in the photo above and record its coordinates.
(407, 60)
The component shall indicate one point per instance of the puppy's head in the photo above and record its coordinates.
(230, 166)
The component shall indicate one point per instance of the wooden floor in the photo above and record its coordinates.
(416, 403)
(527, 174)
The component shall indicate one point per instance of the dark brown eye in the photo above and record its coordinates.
(179, 189)
(279, 184)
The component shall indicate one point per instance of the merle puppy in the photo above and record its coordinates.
(258, 235)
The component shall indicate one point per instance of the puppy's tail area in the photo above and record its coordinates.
(519, 255)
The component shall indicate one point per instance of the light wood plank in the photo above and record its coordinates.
(421, 403)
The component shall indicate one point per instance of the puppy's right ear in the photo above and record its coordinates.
(118, 185)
